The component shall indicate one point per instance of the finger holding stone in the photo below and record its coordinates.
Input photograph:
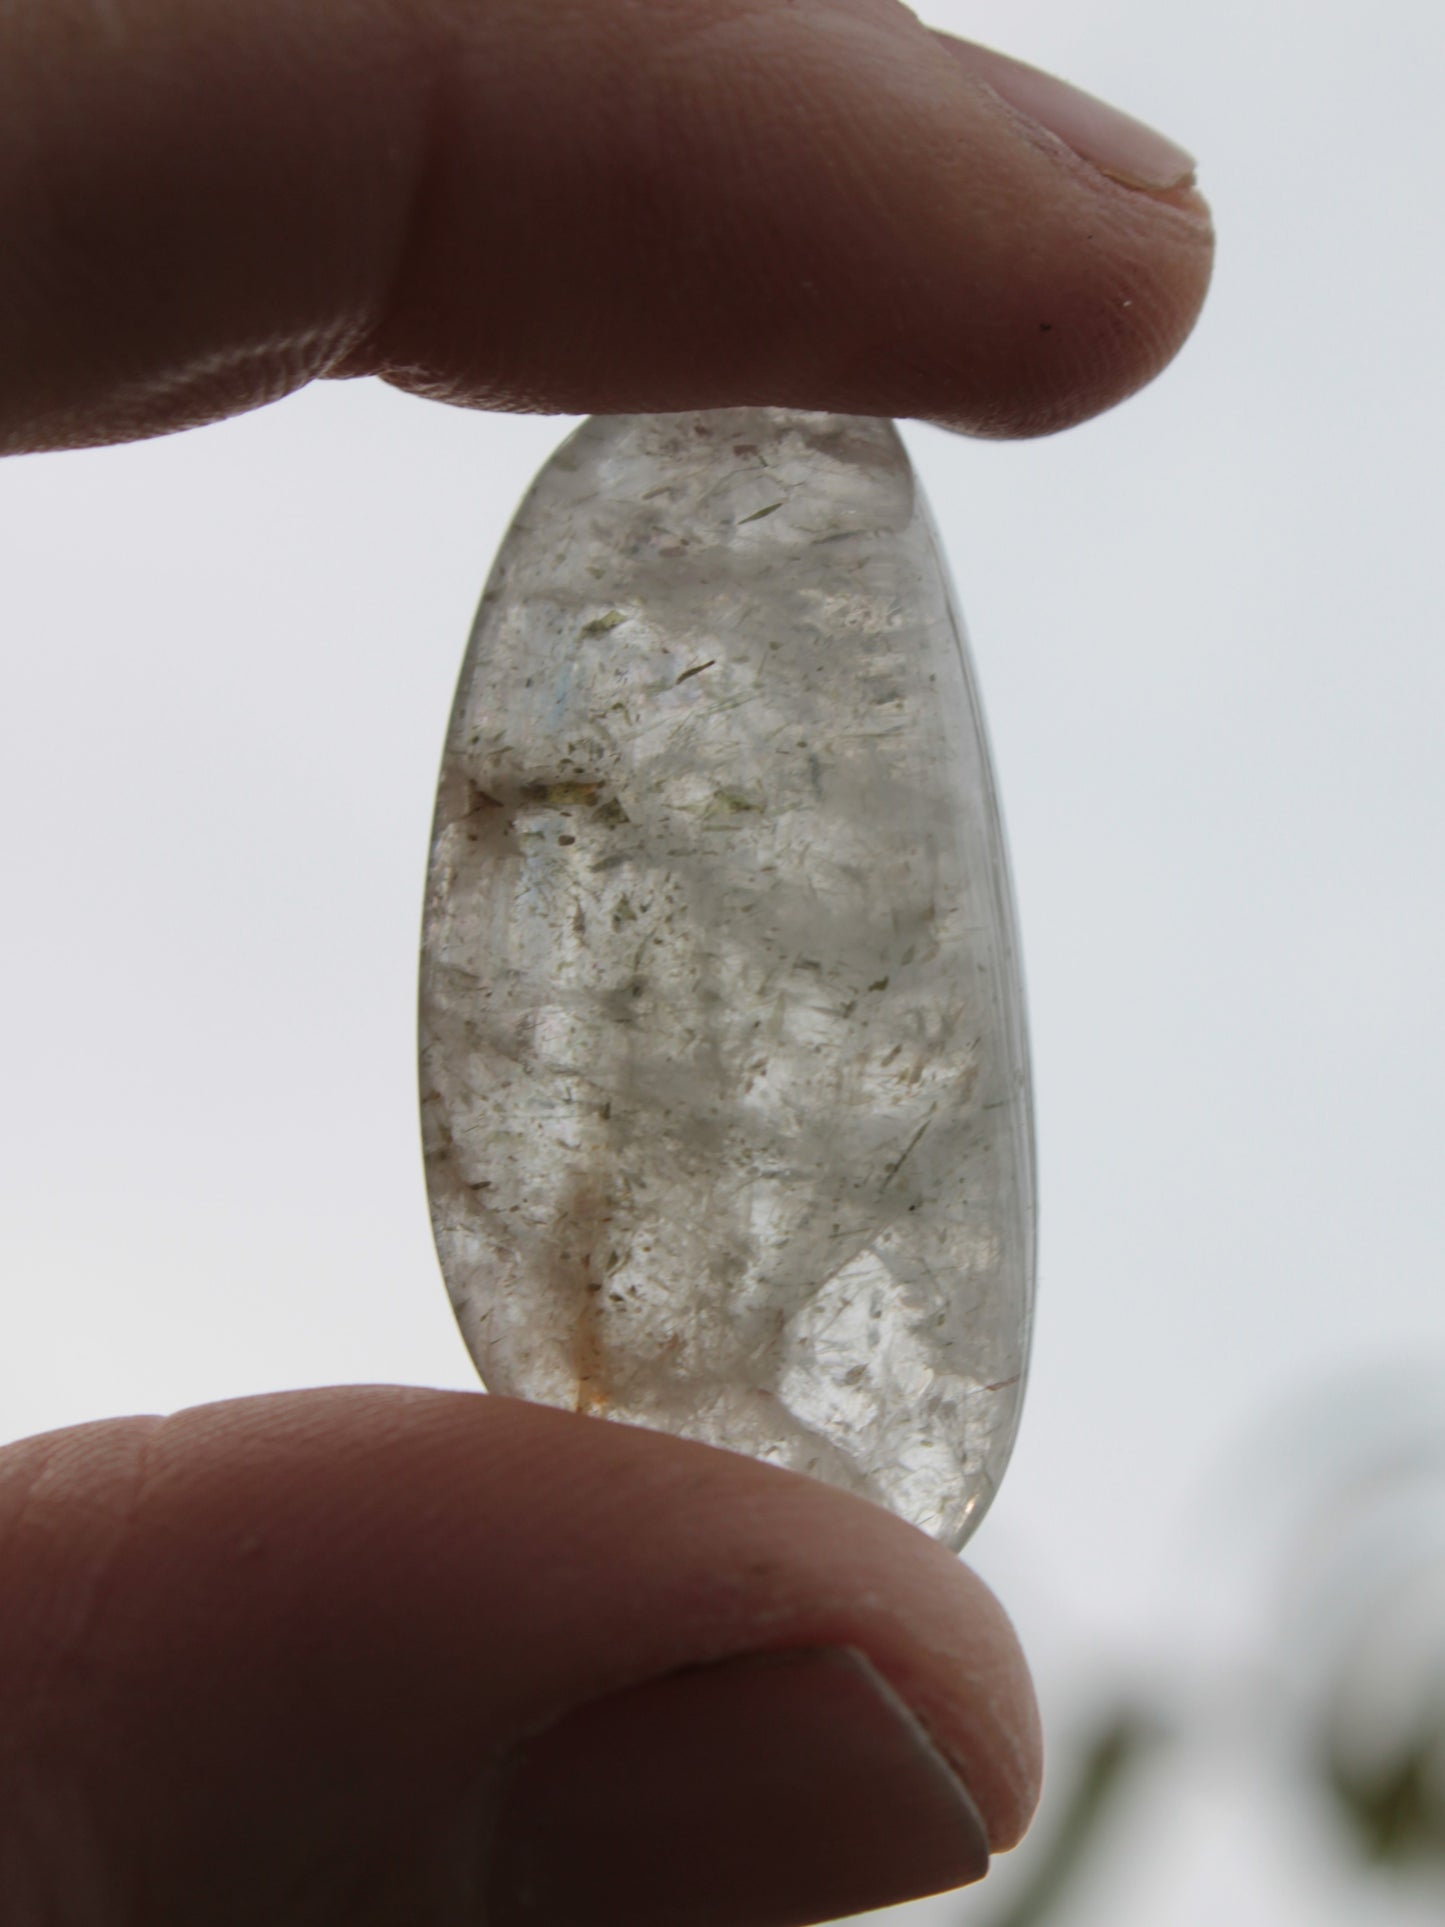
(403, 1653)
(586, 206)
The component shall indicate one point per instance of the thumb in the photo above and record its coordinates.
(378, 1658)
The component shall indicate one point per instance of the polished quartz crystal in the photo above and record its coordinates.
(723, 1061)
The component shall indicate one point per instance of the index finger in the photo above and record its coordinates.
(583, 206)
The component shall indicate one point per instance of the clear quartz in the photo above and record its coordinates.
(723, 1061)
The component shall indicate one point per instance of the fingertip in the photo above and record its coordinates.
(778, 1788)
(894, 238)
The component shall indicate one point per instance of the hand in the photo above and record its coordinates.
(384, 1658)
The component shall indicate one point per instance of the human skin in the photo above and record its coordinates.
(393, 1658)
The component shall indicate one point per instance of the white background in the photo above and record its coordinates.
(1208, 629)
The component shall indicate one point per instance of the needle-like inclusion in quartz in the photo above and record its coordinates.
(723, 1061)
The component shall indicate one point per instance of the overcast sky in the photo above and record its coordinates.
(1208, 632)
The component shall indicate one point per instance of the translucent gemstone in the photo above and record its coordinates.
(723, 1061)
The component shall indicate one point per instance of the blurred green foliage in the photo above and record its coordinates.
(1108, 1761)
(1395, 1807)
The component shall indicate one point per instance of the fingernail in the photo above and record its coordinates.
(773, 1790)
(1117, 144)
